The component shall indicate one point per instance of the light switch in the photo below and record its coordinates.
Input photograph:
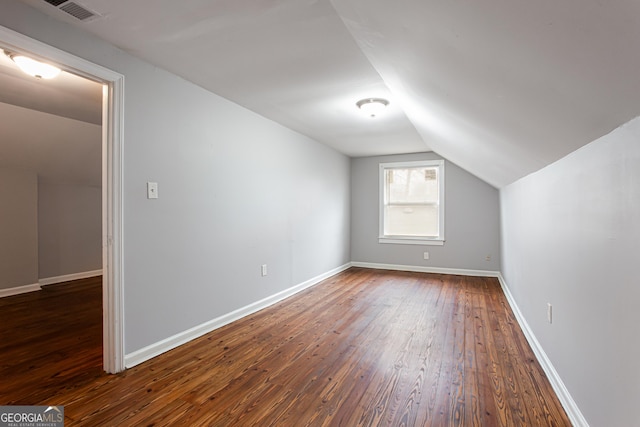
(152, 190)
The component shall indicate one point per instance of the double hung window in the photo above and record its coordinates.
(412, 202)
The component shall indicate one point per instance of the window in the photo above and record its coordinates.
(412, 202)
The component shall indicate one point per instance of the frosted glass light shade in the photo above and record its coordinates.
(372, 107)
(34, 68)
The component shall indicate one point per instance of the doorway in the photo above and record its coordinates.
(112, 111)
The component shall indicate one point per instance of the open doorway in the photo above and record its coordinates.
(111, 192)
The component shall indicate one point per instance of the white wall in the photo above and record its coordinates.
(570, 237)
(69, 228)
(18, 228)
(236, 191)
(472, 220)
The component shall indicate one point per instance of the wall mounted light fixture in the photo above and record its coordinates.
(372, 106)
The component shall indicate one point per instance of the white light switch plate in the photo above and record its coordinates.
(152, 190)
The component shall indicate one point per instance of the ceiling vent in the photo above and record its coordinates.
(74, 9)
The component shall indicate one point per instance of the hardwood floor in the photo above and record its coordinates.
(363, 348)
(50, 340)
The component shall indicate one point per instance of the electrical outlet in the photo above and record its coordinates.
(263, 269)
(549, 312)
(426, 255)
(488, 258)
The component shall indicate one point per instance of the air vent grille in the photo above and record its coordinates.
(55, 3)
(74, 9)
(77, 11)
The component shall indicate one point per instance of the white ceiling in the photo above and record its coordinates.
(499, 87)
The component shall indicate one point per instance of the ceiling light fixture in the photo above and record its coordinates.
(372, 106)
(34, 68)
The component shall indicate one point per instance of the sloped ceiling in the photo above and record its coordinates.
(67, 95)
(50, 127)
(501, 88)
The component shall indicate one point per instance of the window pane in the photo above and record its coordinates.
(412, 185)
(419, 221)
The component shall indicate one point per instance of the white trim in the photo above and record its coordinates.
(113, 115)
(425, 269)
(569, 405)
(8, 292)
(153, 350)
(112, 231)
(410, 241)
(69, 277)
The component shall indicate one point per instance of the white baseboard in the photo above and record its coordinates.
(19, 290)
(69, 277)
(153, 350)
(48, 281)
(569, 405)
(426, 269)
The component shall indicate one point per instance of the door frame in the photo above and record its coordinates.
(112, 161)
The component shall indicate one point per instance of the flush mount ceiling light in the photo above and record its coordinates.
(34, 68)
(372, 106)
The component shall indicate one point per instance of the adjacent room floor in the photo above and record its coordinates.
(364, 347)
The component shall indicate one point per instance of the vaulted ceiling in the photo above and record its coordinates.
(499, 87)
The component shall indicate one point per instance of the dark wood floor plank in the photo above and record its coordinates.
(474, 360)
(488, 411)
(363, 348)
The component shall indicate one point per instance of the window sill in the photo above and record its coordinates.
(411, 241)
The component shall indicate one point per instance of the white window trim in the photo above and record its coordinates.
(411, 240)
